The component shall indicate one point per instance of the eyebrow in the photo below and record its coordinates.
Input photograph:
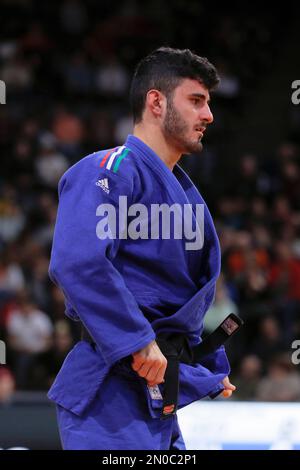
(199, 95)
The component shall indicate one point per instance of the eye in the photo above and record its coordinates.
(196, 101)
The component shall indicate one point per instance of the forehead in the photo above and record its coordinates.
(189, 86)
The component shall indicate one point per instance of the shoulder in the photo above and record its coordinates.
(119, 162)
(110, 168)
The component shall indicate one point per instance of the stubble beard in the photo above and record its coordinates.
(176, 129)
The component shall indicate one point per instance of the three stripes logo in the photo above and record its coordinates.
(113, 158)
(103, 184)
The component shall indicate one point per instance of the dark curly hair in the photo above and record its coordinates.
(163, 70)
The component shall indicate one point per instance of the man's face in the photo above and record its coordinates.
(187, 116)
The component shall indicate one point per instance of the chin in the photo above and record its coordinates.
(194, 147)
(200, 146)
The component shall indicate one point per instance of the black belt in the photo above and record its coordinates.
(176, 348)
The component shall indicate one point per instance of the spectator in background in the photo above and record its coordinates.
(282, 382)
(46, 365)
(50, 164)
(269, 341)
(21, 166)
(42, 229)
(29, 331)
(281, 212)
(39, 282)
(12, 219)
(290, 182)
(247, 178)
(35, 40)
(258, 212)
(248, 377)
(112, 78)
(17, 74)
(68, 129)
(285, 283)
(11, 276)
(78, 75)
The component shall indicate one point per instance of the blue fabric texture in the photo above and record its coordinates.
(126, 291)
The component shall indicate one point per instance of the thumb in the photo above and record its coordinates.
(228, 385)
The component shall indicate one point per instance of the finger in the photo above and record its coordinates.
(155, 372)
(228, 385)
(152, 376)
(161, 373)
(144, 370)
(137, 364)
(158, 378)
(225, 382)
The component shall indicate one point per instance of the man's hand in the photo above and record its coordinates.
(150, 363)
(229, 388)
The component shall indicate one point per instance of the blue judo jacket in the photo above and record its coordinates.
(126, 286)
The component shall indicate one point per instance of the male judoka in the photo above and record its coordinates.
(128, 278)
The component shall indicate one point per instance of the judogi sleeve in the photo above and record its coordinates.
(82, 264)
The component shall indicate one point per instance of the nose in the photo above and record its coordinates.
(207, 115)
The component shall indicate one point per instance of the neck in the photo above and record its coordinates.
(153, 137)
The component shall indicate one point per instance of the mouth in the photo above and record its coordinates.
(200, 130)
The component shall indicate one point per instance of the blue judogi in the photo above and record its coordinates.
(125, 291)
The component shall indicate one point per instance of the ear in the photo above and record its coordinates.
(156, 102)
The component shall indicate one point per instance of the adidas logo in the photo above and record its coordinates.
(103, 185)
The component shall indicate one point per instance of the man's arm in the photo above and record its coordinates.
(83, 266)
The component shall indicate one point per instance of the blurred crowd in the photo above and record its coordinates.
(67, 69)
